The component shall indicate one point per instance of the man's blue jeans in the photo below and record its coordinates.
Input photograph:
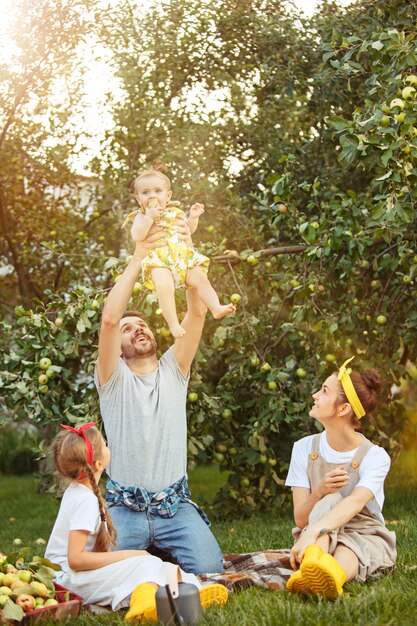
(186, 537)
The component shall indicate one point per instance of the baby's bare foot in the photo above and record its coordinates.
(177, 330)
(222, 311)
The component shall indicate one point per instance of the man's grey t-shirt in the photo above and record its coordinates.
(145, 422)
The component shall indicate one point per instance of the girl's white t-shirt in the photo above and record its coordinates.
(79, 510)
(372, 470)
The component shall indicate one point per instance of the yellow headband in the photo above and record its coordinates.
(350, 391)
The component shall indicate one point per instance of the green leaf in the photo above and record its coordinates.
(12, 611)
(337, 122)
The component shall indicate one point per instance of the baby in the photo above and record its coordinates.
(177, 264)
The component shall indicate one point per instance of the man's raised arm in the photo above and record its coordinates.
(114, 307)
(193, 323)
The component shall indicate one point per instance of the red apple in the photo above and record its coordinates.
(26, 602)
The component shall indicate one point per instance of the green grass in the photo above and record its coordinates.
(389, 601)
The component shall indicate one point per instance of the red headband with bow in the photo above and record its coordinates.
(80, 432)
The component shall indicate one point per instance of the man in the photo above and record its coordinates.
(143, 405)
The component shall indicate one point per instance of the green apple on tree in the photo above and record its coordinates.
(235, 298)
(301, 373)
(43, 379)
(192, 396)
(411, 79)
(408, 93)
(384, 121)
(397, 102)
(272, 385)
(252, 260)
(227, 413)
(381, 319)
(44, 363)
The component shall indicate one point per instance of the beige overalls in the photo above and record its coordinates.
(364, 534)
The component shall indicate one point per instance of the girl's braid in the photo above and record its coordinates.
(106, 536)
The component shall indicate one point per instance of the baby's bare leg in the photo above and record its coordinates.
(165, 288)
(198, 279)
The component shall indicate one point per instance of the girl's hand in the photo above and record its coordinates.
(306, 538)
(333, 481)
(196, 210)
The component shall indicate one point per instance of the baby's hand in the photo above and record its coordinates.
(197, 209)
(153, 210)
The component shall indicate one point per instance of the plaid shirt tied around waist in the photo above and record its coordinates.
(165, 502)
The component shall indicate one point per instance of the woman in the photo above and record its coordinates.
(337, 478)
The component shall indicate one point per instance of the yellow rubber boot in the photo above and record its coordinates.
(296, 583)
(213, 594)
(143, 603)
(322, 574)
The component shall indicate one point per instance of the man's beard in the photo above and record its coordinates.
(140, 350)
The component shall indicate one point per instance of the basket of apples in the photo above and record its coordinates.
(28, 593)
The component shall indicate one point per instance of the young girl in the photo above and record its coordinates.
(177, 264)
(83, 535)
(337, 478)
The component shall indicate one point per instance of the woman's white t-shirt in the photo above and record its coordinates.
(372, 470)
(79, 510)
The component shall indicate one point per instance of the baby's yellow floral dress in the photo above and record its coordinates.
(177, 255)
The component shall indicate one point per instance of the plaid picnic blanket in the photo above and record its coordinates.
(269, 569)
